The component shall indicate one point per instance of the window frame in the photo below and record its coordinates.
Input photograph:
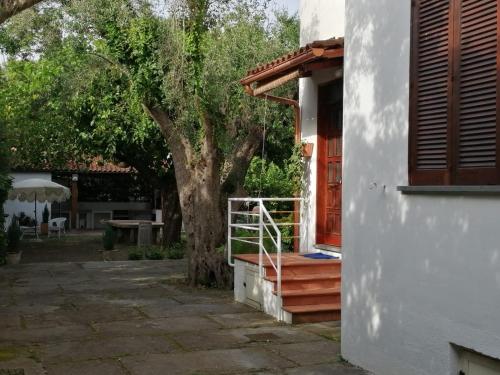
(453, 175)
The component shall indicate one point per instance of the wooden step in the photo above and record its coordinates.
(314, 313)
(307, 282)
(306, 267)
(303, 297)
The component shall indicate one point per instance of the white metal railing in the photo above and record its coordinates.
(259, 219)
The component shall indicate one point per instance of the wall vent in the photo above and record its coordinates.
(471, 363)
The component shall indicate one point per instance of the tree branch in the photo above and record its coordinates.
(9, 8)
(119, 66)
(209, 147)
(177, 143)
(239, 161)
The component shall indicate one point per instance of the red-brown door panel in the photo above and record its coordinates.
(329, 184)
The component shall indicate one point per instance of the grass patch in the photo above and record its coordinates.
(174, 251)
(11, 352)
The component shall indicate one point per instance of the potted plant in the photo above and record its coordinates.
(13, 239)
(108, 242)
(44, 227)
(307, 150)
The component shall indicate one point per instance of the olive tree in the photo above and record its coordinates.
(185, 66)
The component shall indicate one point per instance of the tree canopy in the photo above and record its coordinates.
(96, 83)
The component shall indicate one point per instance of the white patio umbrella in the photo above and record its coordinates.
(38, 189)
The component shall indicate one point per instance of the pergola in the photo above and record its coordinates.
(315, 56)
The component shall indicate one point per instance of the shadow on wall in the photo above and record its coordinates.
(404, 258)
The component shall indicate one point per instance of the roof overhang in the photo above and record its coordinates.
(319, 55)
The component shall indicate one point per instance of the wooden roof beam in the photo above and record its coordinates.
(276, 83)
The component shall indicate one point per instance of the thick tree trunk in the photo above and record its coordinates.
(171, 213)
(203, 199)
(205, 224)
(9, 8)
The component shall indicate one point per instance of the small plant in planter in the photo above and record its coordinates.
(135, 254)
(176, 251)
(155, 253)
(13, 240)
(108, 241)
(44, 227)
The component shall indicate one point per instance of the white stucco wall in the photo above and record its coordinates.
(319, 19)
(15, 207)
(419, 272)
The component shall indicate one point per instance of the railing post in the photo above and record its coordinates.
(261, 236)
(278, 266)
(229, 233)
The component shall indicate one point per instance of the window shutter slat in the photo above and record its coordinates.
(476, 126)
(430, 114)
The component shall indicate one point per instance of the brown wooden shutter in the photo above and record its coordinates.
(431, 91)
(476, 131)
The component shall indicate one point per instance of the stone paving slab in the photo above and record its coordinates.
(47, 334)
(243, 337)
(226, 361)
(160, 310)
(73, 351)
(247, 319)
(307, 354)
(29, 366)
(105, 367)
(127, 318)
(323, 369)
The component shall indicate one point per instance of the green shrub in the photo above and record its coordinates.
(155, 253)
(176, 251)
(108, 238)
(45, 215)
(13, 236)
(5, 183)
(135, 254)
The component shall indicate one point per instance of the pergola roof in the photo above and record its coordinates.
(97, 165)
(317, 55)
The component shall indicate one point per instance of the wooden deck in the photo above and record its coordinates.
(287, 259)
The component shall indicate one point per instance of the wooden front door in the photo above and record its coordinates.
(329, 184)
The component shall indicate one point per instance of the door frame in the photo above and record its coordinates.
(321, 176)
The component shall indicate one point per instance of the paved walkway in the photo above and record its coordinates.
(138, 318)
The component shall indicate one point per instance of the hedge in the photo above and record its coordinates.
(4, 187)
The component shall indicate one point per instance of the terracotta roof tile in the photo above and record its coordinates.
(98, 166)
(95, 166)
(332, 43)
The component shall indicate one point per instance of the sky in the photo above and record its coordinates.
(291, 5)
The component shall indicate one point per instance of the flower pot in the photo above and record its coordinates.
(307, 150)
(14, 258)
(44, 228)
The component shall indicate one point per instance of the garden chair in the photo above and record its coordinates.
(57, 225)
(29, 231)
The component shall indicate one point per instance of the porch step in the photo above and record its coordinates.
(306, 267)
(314, 313)
(307, 282)
(311, 297)
(310, 288)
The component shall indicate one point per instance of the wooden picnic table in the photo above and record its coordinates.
(132, 226)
